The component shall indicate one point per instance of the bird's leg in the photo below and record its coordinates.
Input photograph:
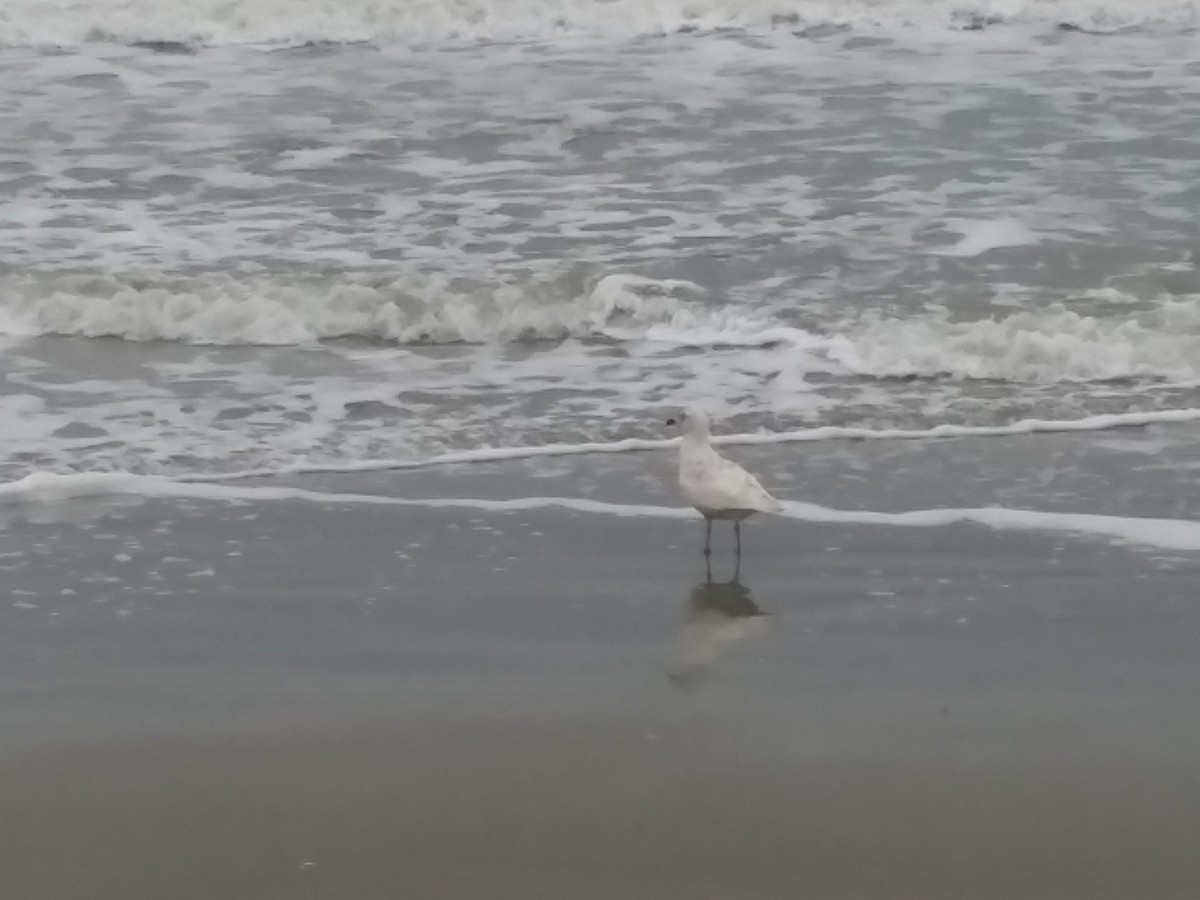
(737, 530)
(707, 537)
(707, 569)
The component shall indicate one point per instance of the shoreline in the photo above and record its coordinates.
(270, 699)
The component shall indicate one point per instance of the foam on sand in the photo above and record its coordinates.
(1164, 534)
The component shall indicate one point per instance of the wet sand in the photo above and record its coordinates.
(287, 700)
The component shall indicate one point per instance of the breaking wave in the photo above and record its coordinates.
(1055, 344)
(225, 310)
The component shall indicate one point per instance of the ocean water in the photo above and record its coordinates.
(277, 236)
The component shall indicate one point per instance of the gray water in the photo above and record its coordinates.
(332, 254)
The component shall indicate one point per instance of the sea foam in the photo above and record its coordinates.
(762, 438)
(414, 309)
(216, 22)
(1050, 344)
(1165, 534)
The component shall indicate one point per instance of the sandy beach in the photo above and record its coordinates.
(341, 551)
(291, 699)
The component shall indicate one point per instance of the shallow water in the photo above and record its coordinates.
(274, 698)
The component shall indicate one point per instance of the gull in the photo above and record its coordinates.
(717, 487)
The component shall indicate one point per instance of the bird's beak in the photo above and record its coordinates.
(672, 422)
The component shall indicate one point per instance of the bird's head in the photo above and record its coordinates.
(691, 421)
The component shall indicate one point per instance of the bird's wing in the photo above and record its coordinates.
(723, 484)
(755, 494)
(763, 499)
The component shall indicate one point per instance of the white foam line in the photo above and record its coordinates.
(45, 487)
(485, 454)
(1103, 422)
(825, 433)
(1167, 534)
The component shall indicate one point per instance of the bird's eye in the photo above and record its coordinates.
(672, 422)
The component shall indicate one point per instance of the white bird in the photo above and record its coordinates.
(717, 487)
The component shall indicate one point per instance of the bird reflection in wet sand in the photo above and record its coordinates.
(719, 614)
